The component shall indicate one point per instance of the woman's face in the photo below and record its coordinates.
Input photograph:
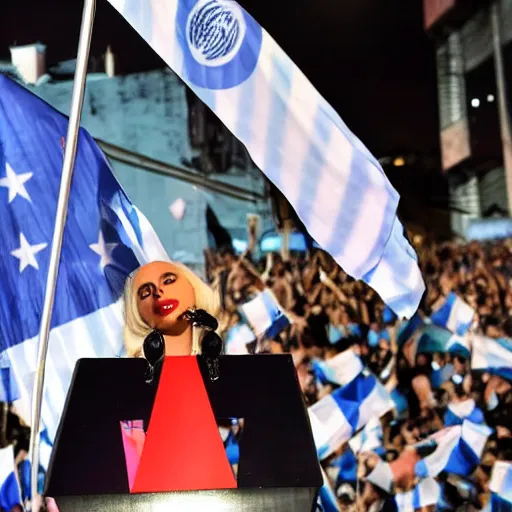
(163, 295)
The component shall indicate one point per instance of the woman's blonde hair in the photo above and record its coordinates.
(136, 330)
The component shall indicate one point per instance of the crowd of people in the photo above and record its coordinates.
(330, 313)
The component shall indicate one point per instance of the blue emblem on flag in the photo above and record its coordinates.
(221, 43)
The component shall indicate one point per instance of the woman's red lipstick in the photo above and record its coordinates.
(165, 307)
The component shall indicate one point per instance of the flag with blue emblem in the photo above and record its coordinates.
(264, 314)
(454, 314)
(105, 239)
(336, 186)
(337, 417)
(10, 494)
(457, 450)
(501, 481)
(492, 355)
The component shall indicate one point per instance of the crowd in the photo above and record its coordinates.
(432, 386)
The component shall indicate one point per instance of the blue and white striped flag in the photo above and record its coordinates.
(501, 480)
(340, 369)
(457, 412)
(458, 450)
(425, 494)
(338, 416)
(105, 239)
(294, 136)
(264, 314)
(10, 494)
(492, 355)
(369, 439)
(454, 315)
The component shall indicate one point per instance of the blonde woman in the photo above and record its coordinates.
(157, 297)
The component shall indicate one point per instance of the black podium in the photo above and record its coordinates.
(278, 467)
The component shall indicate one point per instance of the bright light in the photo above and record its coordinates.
(475, 102)
(399, 161)
(490, 98)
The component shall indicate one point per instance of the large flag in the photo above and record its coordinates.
(105, 239)
(294, 136)
(10, 494)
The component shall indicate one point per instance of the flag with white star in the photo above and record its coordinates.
(105, 239)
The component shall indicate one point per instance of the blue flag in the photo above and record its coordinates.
(105, 239)
(336, 186)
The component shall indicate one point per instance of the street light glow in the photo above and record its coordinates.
(490, 98)
(475, 102)
(399, 161)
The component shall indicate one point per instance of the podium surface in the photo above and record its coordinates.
(278, 466)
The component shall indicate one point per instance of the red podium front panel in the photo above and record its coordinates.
(183, 450)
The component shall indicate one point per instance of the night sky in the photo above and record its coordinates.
(370, 58)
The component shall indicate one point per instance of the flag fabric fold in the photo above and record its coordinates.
(105, 239)
(336, 186)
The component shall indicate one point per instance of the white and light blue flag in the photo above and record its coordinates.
(457, 412)
(264, 314)
(105, 239)
(10, 494)
(454, 314)
(501, 480)
(327, 497)
(337, 417)
(457, 450)
(492, 355)
(425, 494)
(336, 186)
(369, 439)
(338, 370)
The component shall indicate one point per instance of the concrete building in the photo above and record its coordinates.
(154, 115)
(473, 45)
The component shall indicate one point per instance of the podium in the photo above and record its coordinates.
(277, 469)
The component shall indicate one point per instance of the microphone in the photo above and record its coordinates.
(211, 345)
(211, 342)
(154, 350)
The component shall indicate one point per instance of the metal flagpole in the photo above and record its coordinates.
(58, 233)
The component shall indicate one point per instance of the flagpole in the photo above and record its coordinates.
(58, 233)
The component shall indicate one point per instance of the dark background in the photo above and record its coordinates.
(370, 58)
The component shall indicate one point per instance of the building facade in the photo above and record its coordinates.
(154, 115)
(473, 42)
